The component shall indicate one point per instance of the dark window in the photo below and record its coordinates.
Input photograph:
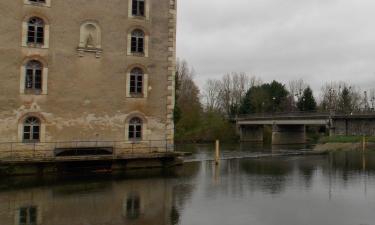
(28, 216)
(135, 129)
(33, 77)
(31, 130)
(133, 207)
(35, 31)
(138, 7)
(136, 82)
(137, 41)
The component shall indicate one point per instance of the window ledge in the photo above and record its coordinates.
(33, 92)
(98, 51)
(138, 54)
(38, 46)
(37, 4)
(138, 17)
(31, 141)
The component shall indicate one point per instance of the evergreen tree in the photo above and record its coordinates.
(272, 97)
(345, 101)
(307, 101)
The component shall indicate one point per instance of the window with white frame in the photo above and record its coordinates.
(138, 8)
(135, 129)
(35, 31)
(137, 42)
(28, 216)
(136, 82)
(31, 129)
(33, 77)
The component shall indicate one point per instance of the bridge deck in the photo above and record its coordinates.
(298, 118)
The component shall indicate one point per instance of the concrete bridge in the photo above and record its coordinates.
(290, 128)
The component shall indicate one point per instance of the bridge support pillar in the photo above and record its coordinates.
(251, 133)
(288, 134)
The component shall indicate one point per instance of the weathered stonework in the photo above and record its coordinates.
(87, 95)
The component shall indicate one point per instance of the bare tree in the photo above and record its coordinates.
(226, 95)
(212, 92)
(334, 99)
(295, 88)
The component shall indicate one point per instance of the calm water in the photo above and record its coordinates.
(329, 190)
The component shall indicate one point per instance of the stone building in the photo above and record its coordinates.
(84, 70)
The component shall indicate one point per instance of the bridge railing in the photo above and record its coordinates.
(13, 151)
(282, 115)
(299, 114)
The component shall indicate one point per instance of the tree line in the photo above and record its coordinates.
(205, 115)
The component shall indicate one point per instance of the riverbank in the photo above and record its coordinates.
(345, 143)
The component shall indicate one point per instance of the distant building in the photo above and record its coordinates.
(83, 70)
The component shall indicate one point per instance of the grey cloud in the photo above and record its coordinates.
(317, 40)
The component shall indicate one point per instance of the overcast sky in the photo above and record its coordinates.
(317, 40)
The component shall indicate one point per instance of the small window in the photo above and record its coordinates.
(35, 31)
(133, 207)
(33, 77)
(136, 82)
(135, 129)
(28, 216)
(137, 42)
(138, 8)
(31, 130)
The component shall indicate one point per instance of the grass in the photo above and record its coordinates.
(345, 139)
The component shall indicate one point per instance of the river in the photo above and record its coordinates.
(335, 189)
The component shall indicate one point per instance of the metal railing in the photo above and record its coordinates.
(13, 151)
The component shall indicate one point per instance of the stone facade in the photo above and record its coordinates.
(86, 59)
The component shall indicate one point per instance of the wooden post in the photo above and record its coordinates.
(364, 144)
(217, 152)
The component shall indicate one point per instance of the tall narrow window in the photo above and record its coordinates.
(35, 31)
(135, 129)
(31, 130)
(33, 77)
(138, 7)
(137, 41)
(136, 82)
(28, 216)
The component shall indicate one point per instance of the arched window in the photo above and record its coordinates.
(138, 7)
(35, 31)
(33, 76)
(31, 130)
(135, 129)
(137, 41)
(136, 81)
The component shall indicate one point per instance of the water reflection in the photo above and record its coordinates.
(332, 189)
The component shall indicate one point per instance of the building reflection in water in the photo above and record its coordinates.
(154, 200)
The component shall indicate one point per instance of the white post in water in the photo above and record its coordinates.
(217, 152)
